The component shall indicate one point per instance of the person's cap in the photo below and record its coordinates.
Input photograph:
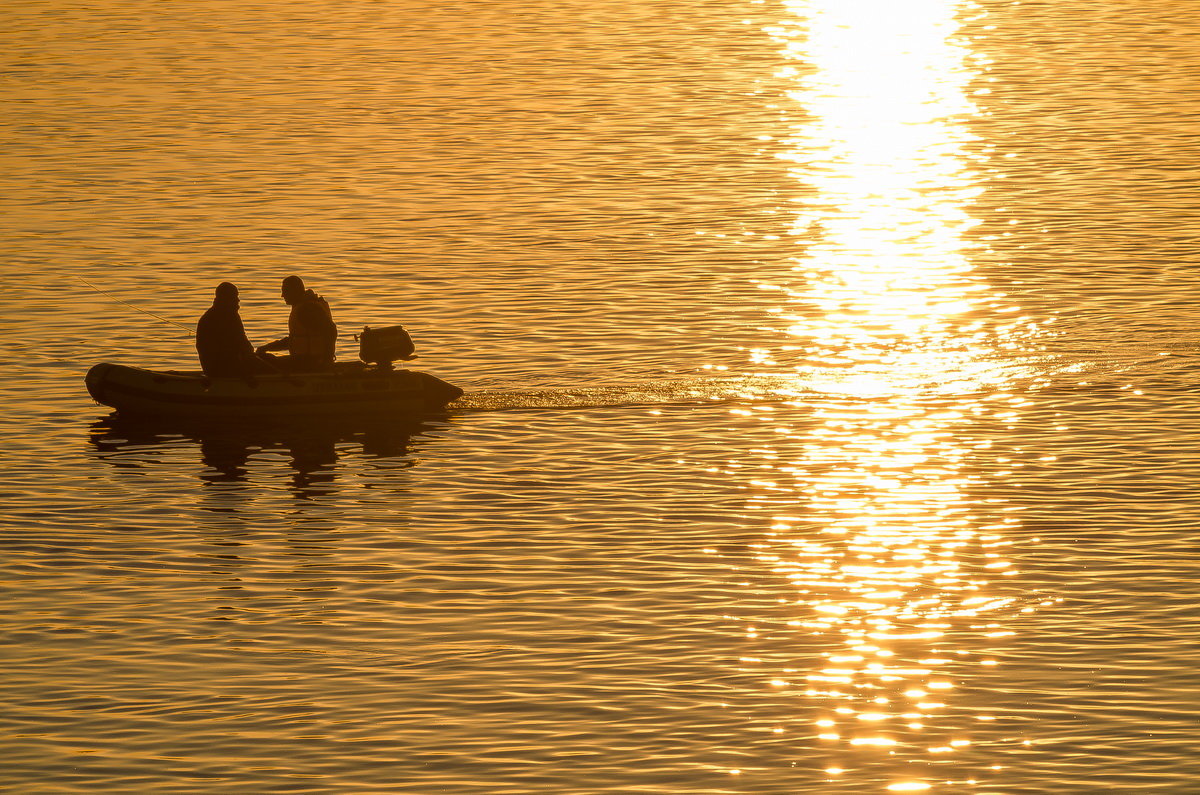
(227, 290)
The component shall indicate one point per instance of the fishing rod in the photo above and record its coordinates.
(135, 308)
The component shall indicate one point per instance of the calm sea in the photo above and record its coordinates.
(833, 414)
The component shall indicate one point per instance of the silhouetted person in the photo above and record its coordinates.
(312, 335)
(221, 339)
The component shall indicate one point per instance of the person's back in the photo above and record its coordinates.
(312, 334)
(221, 341)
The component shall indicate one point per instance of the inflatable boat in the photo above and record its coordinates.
(368, 389)
(350, 390)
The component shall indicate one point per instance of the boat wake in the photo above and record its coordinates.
(690, 391)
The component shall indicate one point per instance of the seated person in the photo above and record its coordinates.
(221, 341)
(312, 335)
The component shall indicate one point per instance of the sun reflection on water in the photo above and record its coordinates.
(899, 348)
(885, 166)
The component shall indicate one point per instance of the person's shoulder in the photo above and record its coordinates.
(315, 306)
(218, 315)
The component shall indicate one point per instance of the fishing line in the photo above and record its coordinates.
(135, 308)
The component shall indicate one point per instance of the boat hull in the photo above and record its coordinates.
(346, 393)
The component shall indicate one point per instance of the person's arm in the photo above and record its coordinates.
(277, 345)
(239, 341)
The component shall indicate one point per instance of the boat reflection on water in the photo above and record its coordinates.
(228, 454)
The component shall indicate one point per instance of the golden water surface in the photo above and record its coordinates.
(831, 422)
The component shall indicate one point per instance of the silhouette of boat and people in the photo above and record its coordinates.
(294, 376)
(225, 351)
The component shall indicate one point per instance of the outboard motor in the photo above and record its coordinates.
(382, 346)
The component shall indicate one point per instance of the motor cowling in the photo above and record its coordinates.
(382, 346)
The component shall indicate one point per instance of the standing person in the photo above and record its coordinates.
(221, 341)
(312, 335)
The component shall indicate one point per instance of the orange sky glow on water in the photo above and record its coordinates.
(831, 420)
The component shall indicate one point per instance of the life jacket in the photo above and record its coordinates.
(312, 334)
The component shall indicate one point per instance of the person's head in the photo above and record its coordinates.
(293, 289)
(226, 295)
